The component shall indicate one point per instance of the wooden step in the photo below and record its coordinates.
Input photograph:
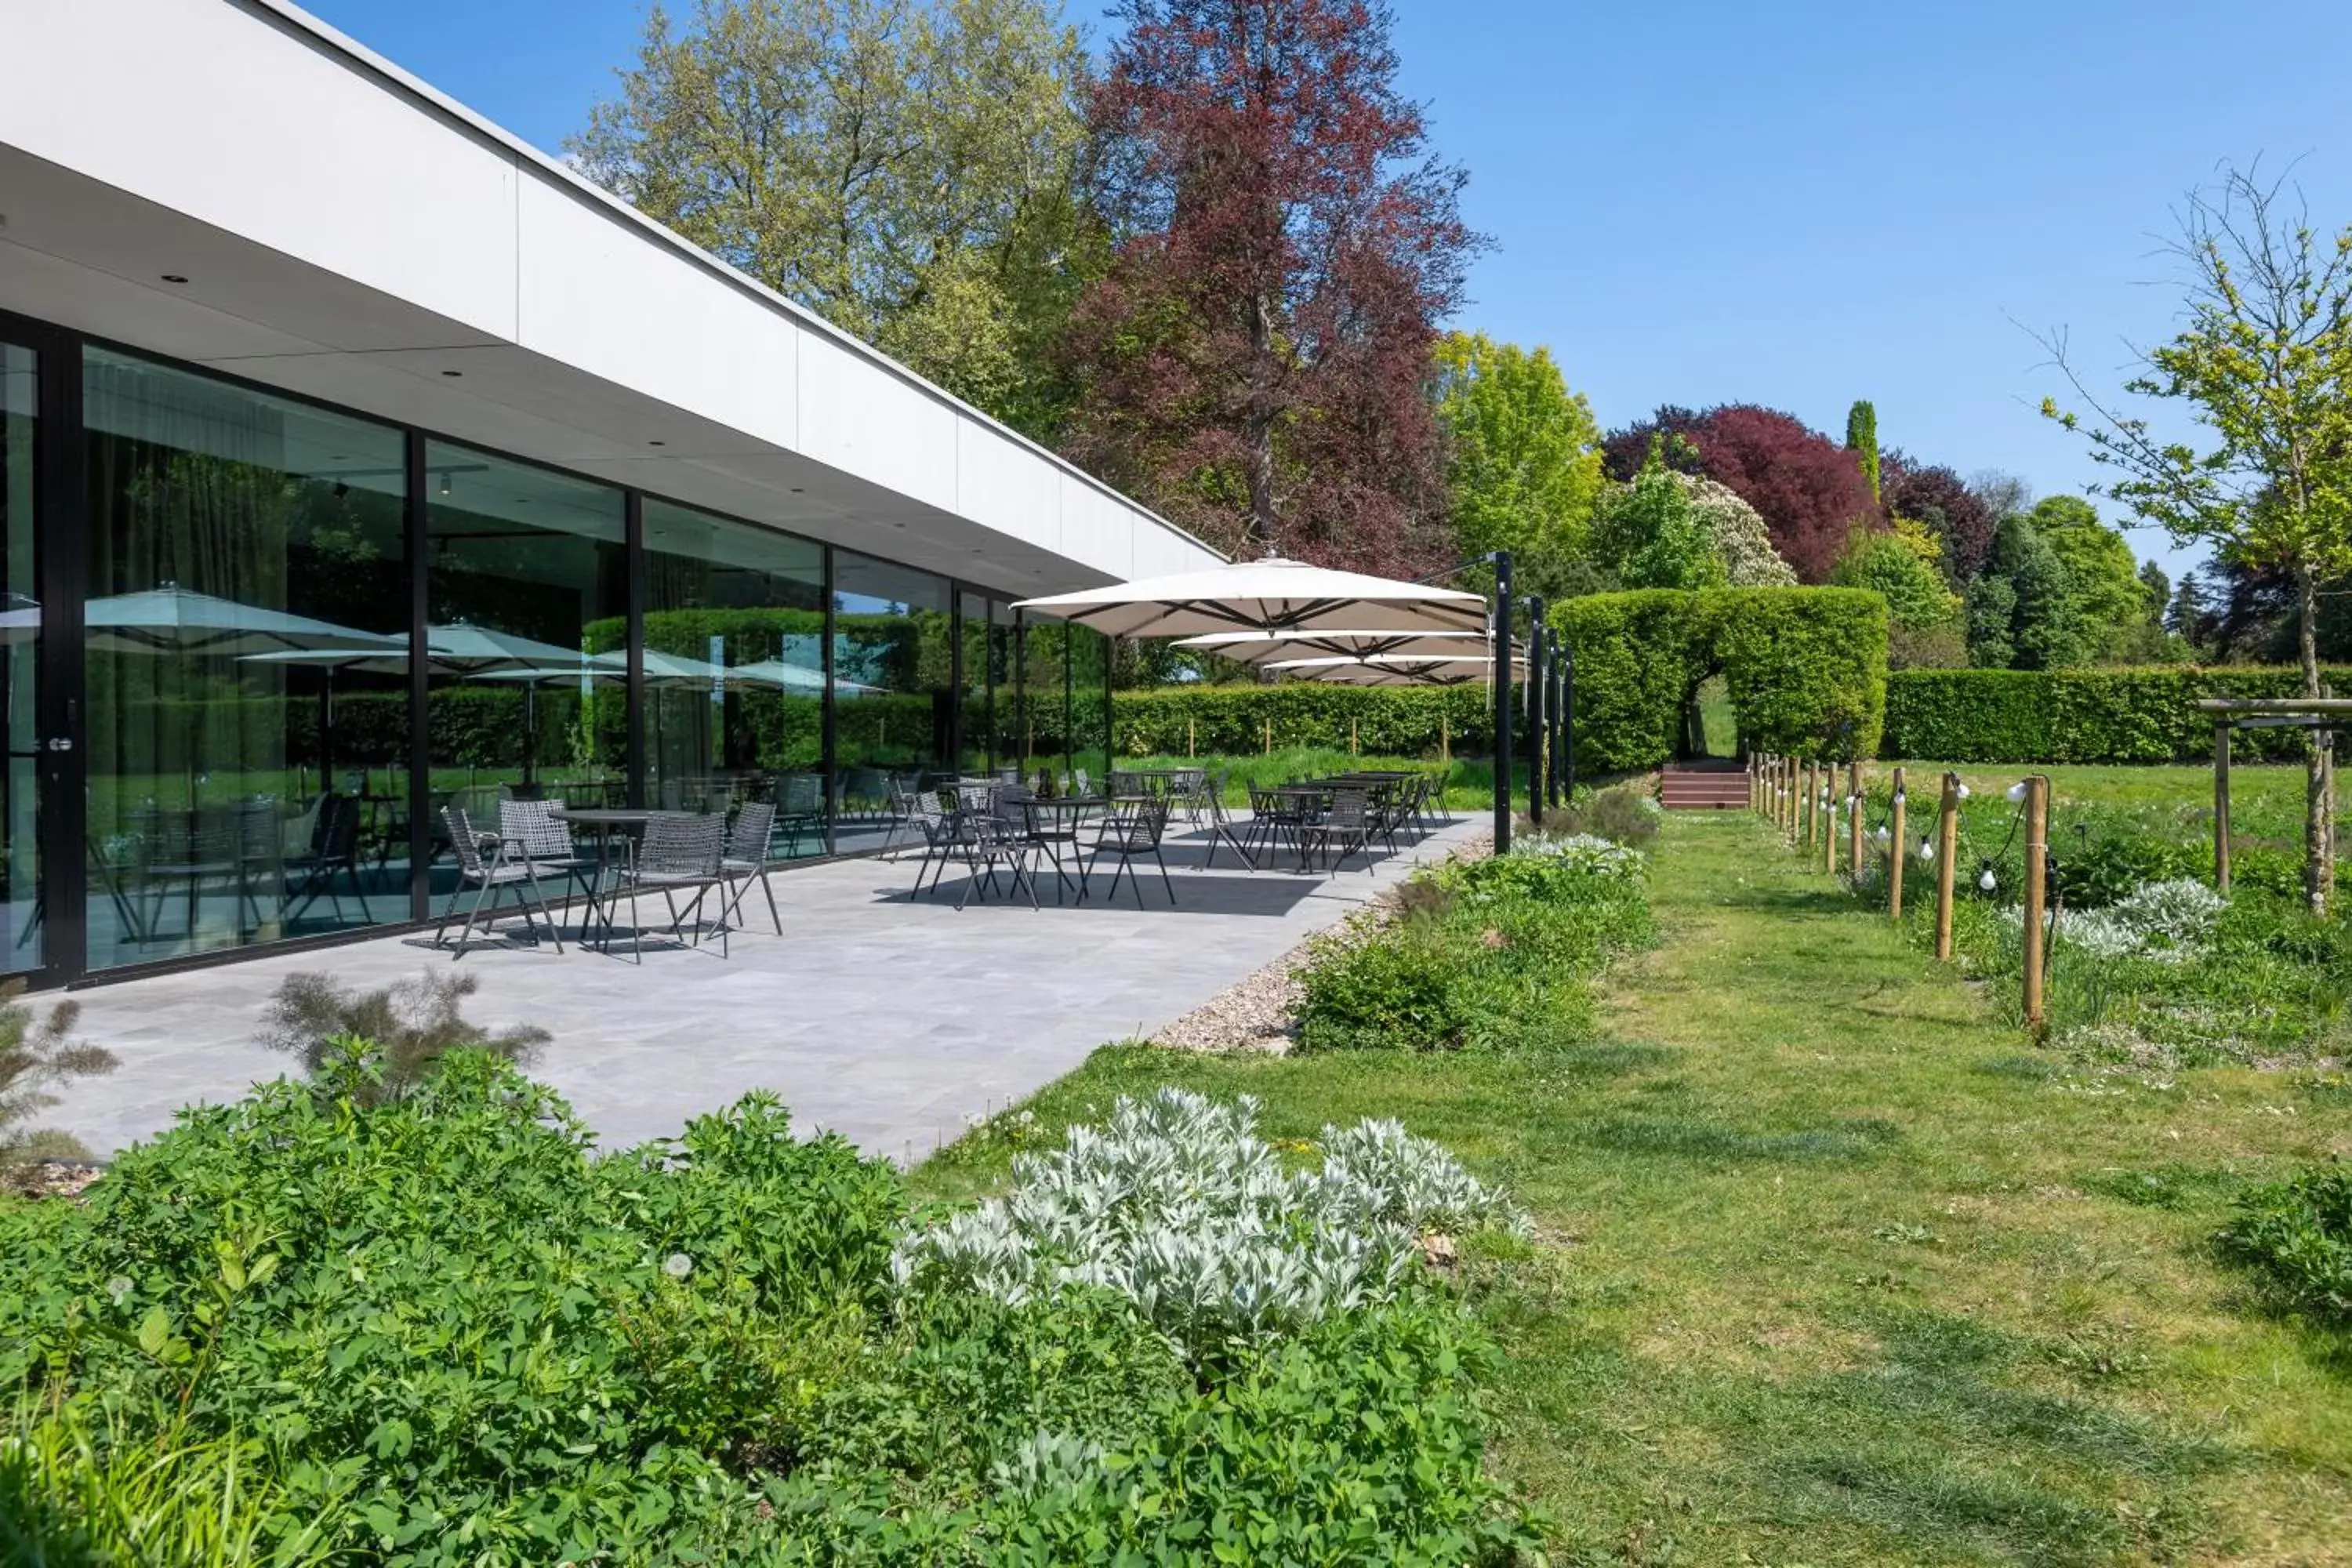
(1703, 786)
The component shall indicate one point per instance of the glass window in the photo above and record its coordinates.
(247, 656)
(21, 938)
(527, 605)
(1090, 700)
(1005, 684)
(976, 726)
(1046, 699)
(894, 697)
(735, 670)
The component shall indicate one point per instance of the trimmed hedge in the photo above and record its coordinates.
(1398, 721)
(1806, 668)
(2079, 715)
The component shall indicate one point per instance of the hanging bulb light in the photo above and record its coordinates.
(1927, 849)
(1962, 791)
(1883, 836)
(2017, 791)
(1985, 880)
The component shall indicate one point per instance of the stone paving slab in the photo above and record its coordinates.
(888, 1021)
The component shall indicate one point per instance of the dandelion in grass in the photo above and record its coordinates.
(678, 1266)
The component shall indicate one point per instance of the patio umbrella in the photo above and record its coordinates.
(1395, 670)
(1269, 595)
(1261, 648)
(796, 677)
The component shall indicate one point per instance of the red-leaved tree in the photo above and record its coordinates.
(1809, 490)
(1939, 498)
(1255, 361)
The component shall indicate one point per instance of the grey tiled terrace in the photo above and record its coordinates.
(888, 1021)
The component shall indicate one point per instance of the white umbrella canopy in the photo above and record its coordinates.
(1262, 648)
(1271, 595)
(461, 644)
(1394, 669)
(172, 619)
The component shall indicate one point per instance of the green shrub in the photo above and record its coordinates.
(1397, 988)
(2298, 1233)
(1623, 814)
(1232, 721)
(2055, 716)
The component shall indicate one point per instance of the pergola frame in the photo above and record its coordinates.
(2324, 715)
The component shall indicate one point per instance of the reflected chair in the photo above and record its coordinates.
(488, 876)
(743, 859)
(800, 809)
(1132, 831)
(334, 847)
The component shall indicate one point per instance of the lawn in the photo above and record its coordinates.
(1835, 1267)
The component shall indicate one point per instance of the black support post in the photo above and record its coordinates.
(1555, 673)
(1505, 712)
(1567, 717)
(1538, 724)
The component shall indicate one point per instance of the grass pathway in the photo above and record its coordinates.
(1839, 1269)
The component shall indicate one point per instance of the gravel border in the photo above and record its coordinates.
(1259, 1012)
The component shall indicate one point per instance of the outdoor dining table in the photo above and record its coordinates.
(605, 824)
(1073, 809)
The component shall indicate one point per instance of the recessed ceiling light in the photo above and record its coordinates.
(452, 372)
(796, 490)
(657, 443)
(173, 277)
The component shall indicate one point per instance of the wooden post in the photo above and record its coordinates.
(1853, 819)
(1192, 736)
(1753, 762)
(1788, 797)
(1354, 749)
(2221, 808)
(1829, 820)
(1783, 798)
(2037, 869)
(1269, 735)
(1894, 852)
(1947, 849)
(1444, 741)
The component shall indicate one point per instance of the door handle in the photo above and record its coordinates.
(61, 743)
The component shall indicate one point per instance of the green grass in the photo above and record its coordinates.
(1837, 1268)
(1469, 784)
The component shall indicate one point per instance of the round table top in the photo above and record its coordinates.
(605, 816)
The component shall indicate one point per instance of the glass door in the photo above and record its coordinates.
(26, 920)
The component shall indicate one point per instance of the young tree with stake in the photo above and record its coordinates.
(2264, 363)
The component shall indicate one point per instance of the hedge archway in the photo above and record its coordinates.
(1806, 669)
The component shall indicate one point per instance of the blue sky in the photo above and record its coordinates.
(1703, 201)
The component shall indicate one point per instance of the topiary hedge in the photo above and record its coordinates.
(1232, 719)
(2079, 715)
(1806, 668)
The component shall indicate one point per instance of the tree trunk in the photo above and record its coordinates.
(1257, 431)
(2319, 803)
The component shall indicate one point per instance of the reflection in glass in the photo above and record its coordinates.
(976, 724)
(1046, 699)
(894, 697)
(246, 649)
(527, 605)
(1090, 701)
(22, 916)
(735, 670)
(1005, 684)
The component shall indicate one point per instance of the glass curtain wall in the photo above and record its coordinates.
(1004, 685)
(735, 670)
(893, 690)
(1046, 701)
(525, 577)
(978, 723)
(245, 653)
(22, 942)
(1090, 701)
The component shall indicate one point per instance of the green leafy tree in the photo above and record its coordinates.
(1523, 458)
(1861, 440)
(904, 169)
(1649, 534)
(2022, 613)
(2111, 603)
(2262, 366)
(1901, 566)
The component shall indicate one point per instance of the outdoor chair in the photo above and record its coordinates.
(682, 852)
(902, 805)
(1274, 816)
(1132, 831)
(1221, 826)
(1342, 829)
(744, 859)
(487, 876)
(1078, 777)
(986, 840)
(529, 830)
(334, 847)
(939, 830)
(1188, 789)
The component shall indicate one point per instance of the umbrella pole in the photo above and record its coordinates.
(1503, 714)
(530, 730)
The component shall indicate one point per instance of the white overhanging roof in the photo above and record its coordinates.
(346, 233)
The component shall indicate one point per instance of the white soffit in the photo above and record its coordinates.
(348, 234)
